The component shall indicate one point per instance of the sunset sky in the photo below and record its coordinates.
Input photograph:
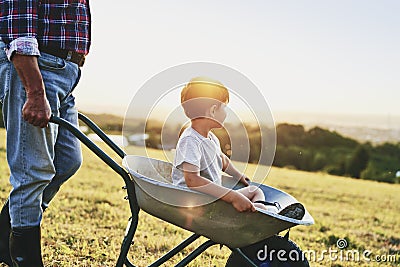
(340, 57)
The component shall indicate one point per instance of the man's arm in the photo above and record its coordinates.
(36, 109)
(22, 50)
(195, 181)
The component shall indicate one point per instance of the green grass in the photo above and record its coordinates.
(85, 223)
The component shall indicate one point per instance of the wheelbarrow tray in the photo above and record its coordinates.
(216, 220)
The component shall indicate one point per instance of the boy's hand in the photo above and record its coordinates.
(245, 180)
(241, 203)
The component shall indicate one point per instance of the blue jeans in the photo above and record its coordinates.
(40, 159)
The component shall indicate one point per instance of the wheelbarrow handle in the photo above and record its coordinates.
(129, 184)
(102, 135)
(91, 145)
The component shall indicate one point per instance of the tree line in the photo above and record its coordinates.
(319, 149)
(315, 149)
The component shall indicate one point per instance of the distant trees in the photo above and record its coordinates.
(315, 149)
(358, 161)
(322, 150)
(384, 163)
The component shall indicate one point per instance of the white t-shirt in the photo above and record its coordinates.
(205, 153)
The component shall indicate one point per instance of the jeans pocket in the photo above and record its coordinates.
(50, 62)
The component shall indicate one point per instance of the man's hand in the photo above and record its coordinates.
(37, 109)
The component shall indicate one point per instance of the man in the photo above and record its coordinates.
(43, 45)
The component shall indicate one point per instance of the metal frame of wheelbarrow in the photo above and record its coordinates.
(131, 197)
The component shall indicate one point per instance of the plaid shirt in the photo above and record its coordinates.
(26, 25)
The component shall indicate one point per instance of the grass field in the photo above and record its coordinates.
(85, 223)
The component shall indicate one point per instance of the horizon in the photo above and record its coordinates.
(307, 119)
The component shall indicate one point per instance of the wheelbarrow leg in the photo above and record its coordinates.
(175, 250)
(127, 242)
(132, 226)
(195, 253)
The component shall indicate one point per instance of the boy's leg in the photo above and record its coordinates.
(256, 194)
(253, 193)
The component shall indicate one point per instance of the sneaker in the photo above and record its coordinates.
(294, 211)
(270, 206)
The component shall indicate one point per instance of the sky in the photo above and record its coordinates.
(306, 57)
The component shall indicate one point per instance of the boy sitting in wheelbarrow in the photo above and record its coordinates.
(199, 160)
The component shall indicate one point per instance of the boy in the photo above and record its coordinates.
(199, 159)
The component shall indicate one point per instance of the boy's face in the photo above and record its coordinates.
(218, 113)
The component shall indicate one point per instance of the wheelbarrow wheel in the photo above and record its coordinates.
(275, 251)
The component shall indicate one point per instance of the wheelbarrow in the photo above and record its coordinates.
(148, 184)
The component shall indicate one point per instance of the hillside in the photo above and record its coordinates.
(108, 122)
(84, 225)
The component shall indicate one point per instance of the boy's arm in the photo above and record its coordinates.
(195, 181)
(229, 168)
